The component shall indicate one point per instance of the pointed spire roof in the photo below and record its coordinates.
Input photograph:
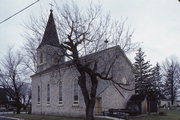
(50, 36)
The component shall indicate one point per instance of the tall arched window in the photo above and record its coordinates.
(60, 93)
(48, 94)
(76, 93)
(38, 94)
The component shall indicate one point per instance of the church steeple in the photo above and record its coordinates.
(50, 36)
(49, 52)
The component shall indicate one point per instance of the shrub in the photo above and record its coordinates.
(162, 113)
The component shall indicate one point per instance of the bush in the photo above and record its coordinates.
(162, 113)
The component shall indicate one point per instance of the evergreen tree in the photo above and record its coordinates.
(143, 74)
(157, 81)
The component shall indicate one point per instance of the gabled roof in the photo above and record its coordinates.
(137, 98)
(50, 36)
(88, 58)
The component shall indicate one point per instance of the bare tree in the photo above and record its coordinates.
(26, 95)
(171, 71)
(98, 30)
(11, 76)
(87, 31)
(35, 29)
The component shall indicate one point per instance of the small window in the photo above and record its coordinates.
(48, 94)
(41, 58)
(38, 95)
(9, 98)
(76, 93)
(60, 93)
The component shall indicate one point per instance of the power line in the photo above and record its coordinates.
(19, 11)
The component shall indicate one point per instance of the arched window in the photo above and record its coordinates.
(76, 93)
(60, 93)
(38, 95)
(48, 94)
(41, 58)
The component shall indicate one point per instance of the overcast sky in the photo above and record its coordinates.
(156, 23)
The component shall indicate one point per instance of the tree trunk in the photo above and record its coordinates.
(18, 107)
(92, 101)
(88, 99)
(90, 111)
(172, 90)
(82, 84)
(18, 110)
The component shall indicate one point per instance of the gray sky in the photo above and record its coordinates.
(156, 23)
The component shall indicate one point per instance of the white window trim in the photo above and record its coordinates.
(61, 105)
(75, 105)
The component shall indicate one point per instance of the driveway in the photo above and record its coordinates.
(5, 113)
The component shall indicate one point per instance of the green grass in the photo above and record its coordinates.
(44, 117)
(169, 115)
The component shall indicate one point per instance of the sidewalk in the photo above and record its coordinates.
(7, 113)
(110, 118)
(8, 118)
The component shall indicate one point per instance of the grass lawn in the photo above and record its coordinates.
(169, 115)
(44, 117)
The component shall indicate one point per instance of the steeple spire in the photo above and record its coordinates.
(50, 36)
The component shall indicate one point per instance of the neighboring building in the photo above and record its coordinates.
(141, 104)
(167, 103)
(5, 99)
(137, 104)
(55, 87)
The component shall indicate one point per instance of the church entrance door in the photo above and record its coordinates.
(98, 106)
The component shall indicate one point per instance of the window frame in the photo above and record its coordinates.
(48, 93)
(39, 96)
(60, 101)
(75, 102)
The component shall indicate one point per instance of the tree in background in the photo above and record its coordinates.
(172, 79)
(157, 81)
(26, 95)
(143, 74)
(12, 77)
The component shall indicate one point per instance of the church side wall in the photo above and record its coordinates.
(111, 98)
(54, 108)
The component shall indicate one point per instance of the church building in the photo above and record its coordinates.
(55, 89)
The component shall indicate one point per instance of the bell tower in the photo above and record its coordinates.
(49, 52)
